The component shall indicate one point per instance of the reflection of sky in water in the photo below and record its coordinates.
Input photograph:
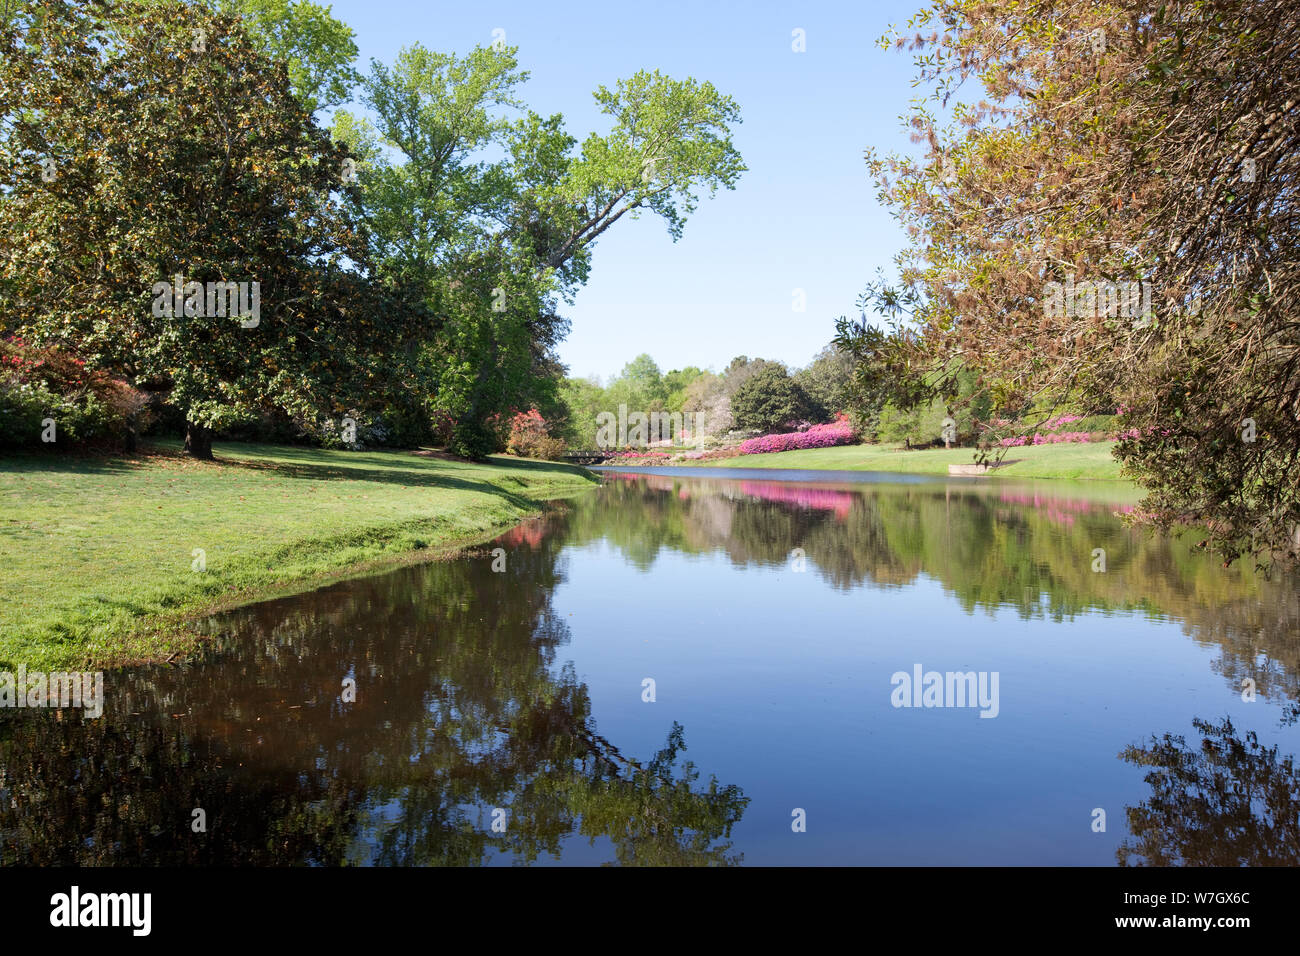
(783, 686)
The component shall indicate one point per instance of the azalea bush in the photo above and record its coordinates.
(37, 384)
(1054, 423)
(838, 432)
(530, 437)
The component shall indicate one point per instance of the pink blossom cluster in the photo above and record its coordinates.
(838, 432)
(1060, 420)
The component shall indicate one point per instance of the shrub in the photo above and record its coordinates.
(633, 453)
(549, 449)
(530, 437)
(475, 439)
(441, 422)
(838, 432)
(87, 406)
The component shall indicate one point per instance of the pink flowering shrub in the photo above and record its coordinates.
(838, 432)
(530, 437)
(1057, 437)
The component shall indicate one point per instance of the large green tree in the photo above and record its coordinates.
(493, 210)
(826, 382)
(146, 141)
(319, 50)
(770, 400)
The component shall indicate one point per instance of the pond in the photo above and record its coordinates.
(687, 667)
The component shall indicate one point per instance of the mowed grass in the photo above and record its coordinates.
(1067, 460)
(97, 553)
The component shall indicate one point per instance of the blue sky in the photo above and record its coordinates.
(803, 217)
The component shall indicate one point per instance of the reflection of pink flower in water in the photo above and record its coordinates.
(529, 533)
(653, 482)
(820, 499)
(1060, 510)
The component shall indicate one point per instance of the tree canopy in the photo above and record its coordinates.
(497, 243)
(1110, 156)
(408, 268)
(234, 188)
(770, 400)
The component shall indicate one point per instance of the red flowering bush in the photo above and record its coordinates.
(530, 437)
(42, 384)
(838, 432)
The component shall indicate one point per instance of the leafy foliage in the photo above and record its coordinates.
(530, 437)
(1131, 142)
(494, 218)
(770, 400)
(233, 183)
(86, 405)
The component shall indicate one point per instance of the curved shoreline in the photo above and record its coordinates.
(102, 555)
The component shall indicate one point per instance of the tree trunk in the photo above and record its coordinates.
(198, 441)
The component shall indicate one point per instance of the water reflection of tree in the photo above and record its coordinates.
(459, 709)
(992, 547)
(1228, 802)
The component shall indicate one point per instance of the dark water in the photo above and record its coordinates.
(772, 617)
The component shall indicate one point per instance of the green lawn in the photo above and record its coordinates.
(96, 553)
(1090, 460)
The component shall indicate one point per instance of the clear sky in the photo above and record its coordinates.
(804, 216)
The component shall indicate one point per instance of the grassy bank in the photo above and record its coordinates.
(97, 554)
(1078, 461)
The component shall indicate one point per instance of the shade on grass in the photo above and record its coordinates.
(98, 554)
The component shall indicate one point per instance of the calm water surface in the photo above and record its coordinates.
(505, 715)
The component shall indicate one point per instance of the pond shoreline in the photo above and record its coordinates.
(110, 561)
